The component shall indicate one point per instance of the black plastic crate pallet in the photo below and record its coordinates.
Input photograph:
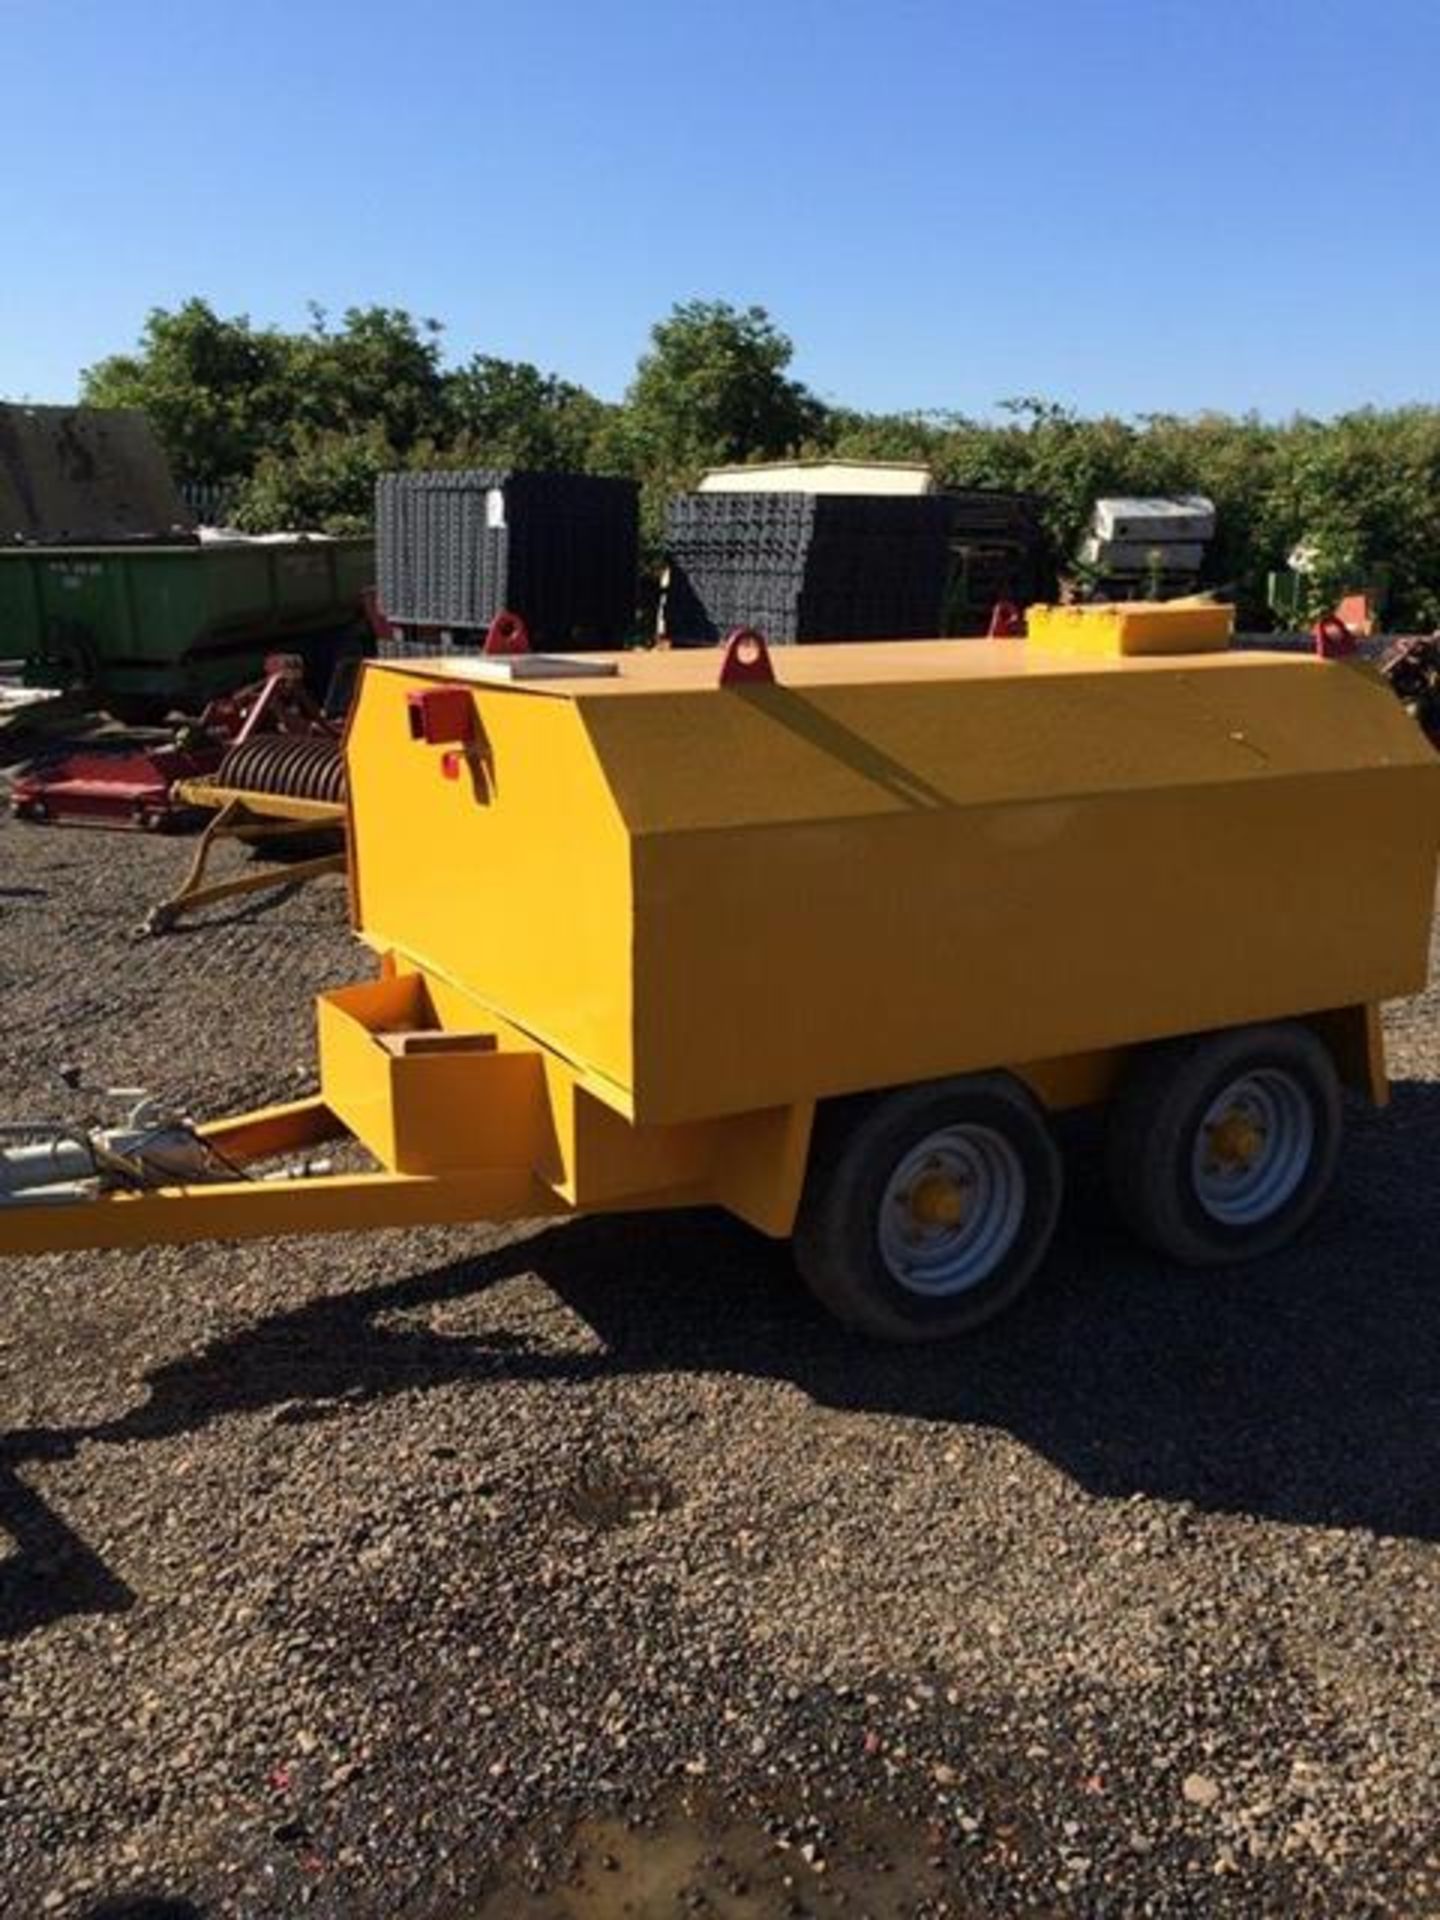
(806, 566)
(561, 550)
(978, 513)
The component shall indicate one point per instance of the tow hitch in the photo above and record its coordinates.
(52, 1162)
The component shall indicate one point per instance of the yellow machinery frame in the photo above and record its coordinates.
(254, 820)
(471, 1121)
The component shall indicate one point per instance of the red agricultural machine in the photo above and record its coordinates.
(1413, 669)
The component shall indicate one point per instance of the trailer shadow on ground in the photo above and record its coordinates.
(51, 1571)
(1304, 1389)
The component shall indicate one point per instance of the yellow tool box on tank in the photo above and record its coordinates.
(827, 936)
(1133, 627)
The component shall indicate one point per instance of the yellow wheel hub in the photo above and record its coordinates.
(1235, 1140)
(936, 1200)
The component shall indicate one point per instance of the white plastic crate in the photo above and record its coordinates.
(1185, 517)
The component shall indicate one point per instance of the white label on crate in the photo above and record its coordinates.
(495, 507)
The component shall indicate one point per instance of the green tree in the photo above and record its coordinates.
(301, 422)
(509, 413)
(226, 396)
(847, 435)
(713, 389)
(379, 369)
(323, 481)
(219, 392)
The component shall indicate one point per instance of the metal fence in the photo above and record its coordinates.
(211, 501)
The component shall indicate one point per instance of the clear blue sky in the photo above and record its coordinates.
(1127, 204)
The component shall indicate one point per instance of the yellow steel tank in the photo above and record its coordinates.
(901, 861)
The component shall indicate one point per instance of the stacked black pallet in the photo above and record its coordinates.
(804, 566)
(455, 549)
(998, 552)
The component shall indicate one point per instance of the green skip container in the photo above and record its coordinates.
(140, 629)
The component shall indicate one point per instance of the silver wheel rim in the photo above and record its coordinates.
(1253, 1147)
(951, 1211)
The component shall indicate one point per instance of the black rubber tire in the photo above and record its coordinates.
(1156, 1115)
(857, 1146)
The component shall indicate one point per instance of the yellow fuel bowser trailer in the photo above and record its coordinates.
(828, 938)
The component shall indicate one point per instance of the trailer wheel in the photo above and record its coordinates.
(928, 1210)
(1220, 1148)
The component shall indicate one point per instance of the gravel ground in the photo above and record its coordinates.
(588, 1571)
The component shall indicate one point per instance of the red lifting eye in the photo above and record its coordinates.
(1333, 639)
(747, 659)
(1007, 622)
(442, 716)
(507, 633)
